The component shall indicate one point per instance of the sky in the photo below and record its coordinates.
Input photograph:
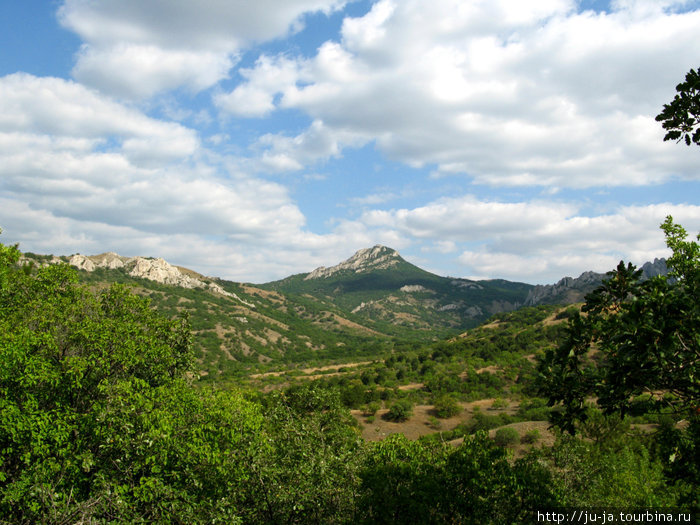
(508, 139)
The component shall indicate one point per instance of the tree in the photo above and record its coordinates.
(401, 410)
(647, 338)
(305, 469)
(98, 421)
(446, 406)
(681, 117)
(420, 482)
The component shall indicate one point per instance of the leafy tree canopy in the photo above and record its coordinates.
(643, 335)
(97, 420)
(681, 117)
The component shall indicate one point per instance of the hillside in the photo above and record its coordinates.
(364, 307)
(396, 297)
(237, 327)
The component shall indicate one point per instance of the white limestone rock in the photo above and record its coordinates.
(82, 262)
(376, 258)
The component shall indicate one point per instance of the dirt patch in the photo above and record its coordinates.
(272, 335)
(267, 294)
(259, 339)
(355, 326)
(411, 386)
(316, 369)
(335, 367)
(420, 423)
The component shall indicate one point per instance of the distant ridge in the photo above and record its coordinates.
(154, 269)
(569, 290)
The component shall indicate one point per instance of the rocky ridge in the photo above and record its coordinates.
(571, 290)
(158, 270)
(376, 258)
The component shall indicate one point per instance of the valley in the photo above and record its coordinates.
(332, 388)
(368, 306)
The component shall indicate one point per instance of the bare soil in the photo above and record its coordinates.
(420, 425)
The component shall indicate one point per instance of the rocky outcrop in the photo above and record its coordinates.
(375, 258)
(158, 270)
(464, 283)
(652, 269)
(569, 290)
(109, 260)
(414, 288)
(81, 262)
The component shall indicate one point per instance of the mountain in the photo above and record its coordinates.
(361, 308)
(236, 326)
(393, 296)
(569, 290)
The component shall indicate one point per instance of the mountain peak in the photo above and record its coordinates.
(376, 258)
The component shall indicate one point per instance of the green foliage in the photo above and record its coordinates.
(306, 470)
(417, 482)
(531, 436)
(534, 409)
(617, 474)
(100, 423)
(372, 408)
(506, 436)
(446, 406)
(97, 421)
(681, 117)
(401, 410)
(499, 403)
(646, 333)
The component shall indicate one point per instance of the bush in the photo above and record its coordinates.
(506, 436)
(400, 411)
(532, 436)
(434, 423)
(499, 402)
(372, 408)
(446, 406)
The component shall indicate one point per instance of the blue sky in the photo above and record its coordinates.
(484, 138)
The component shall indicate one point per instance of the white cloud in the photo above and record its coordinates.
(534, 241)
(84, 171)
(135, 49)
(318, 142)
(58, 110)
(255, 97)
(509, 93)
(146, 69)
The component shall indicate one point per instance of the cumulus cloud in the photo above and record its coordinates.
(283, 153)
(507, 92)
(82, 173)
(74, 161)
(135, 49)
(56, 110)
(534, 241)
(502, 92)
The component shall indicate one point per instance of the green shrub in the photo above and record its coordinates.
(434, 423)
(499, 402)
(400, 411)
(506, 436)
(372, 408)
(446, 406)
(531, 436)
